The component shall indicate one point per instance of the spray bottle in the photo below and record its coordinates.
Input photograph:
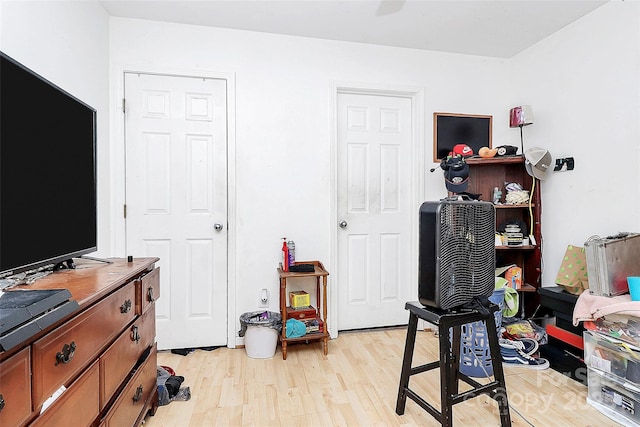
(292, 252)
(285, 255)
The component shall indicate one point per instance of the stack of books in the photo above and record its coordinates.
(314, 325)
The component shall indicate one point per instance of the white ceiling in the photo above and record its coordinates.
(476, 27)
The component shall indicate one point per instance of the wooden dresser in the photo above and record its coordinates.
(103, 355)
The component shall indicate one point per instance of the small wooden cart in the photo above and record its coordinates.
(320, 274)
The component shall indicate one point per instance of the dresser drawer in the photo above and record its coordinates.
(128, 408)
(77, 406)
(147, 290)
(15, 389)
(122, 355)
(59, 356)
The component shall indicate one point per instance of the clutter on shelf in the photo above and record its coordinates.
(516, 195)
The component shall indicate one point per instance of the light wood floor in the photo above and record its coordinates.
(356, 384)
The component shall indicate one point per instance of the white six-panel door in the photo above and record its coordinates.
(374, 211)
(176, 200)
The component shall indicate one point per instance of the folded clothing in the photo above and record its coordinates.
(590, 307)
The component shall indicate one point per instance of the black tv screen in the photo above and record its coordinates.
(47, 172)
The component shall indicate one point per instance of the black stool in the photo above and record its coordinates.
(449, 363)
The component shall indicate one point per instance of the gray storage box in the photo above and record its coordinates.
(610, 260)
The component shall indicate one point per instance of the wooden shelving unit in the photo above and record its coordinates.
(320, 275)
(484, 176)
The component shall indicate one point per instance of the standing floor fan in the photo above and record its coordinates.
(456, 252)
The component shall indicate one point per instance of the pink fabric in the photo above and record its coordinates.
(591, 307)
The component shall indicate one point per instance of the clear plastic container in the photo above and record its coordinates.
(614, 397)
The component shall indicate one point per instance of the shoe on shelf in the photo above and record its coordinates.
(517, 358)
(526, 345)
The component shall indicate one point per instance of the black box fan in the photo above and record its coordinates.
(457, 253)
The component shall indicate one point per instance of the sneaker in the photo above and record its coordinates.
(526, 345)
(515, 357)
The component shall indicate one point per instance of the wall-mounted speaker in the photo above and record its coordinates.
(457, 253)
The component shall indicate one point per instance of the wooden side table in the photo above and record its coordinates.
(320, 275)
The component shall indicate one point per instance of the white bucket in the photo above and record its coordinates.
(260, 342)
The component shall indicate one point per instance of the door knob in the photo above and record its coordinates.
(343, 224)
(217, 226)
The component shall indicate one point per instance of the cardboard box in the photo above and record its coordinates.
(514, 277)
(299, 299)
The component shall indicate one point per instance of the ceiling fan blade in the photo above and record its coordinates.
(388, 7)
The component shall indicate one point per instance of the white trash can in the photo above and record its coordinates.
(260, 342)
(260, 330)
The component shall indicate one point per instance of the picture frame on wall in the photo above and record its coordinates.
(450, 129)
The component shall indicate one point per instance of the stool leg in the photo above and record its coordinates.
(406, 363)
(446, 375)
(455, 351)
(498, 373)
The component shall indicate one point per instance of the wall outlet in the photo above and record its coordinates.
(263, 298)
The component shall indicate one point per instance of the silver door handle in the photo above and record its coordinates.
(217, 226)
(343, 224)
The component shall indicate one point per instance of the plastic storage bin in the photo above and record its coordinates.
(475, 357)
(614, 397)
(612, 356)
(260, 330)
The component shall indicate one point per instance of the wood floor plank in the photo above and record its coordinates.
(356, 384)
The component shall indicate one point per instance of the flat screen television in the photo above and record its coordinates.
(47, 172)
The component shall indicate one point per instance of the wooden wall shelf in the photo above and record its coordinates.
(484, 176)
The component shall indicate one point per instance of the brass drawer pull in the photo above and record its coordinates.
(150, 295)
(125, 307)
(138, 394)
(135, 336)
(66, 354)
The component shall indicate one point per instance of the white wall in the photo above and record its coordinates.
(582, 83)
(584, 86)
(283, 124)
(67, 42)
